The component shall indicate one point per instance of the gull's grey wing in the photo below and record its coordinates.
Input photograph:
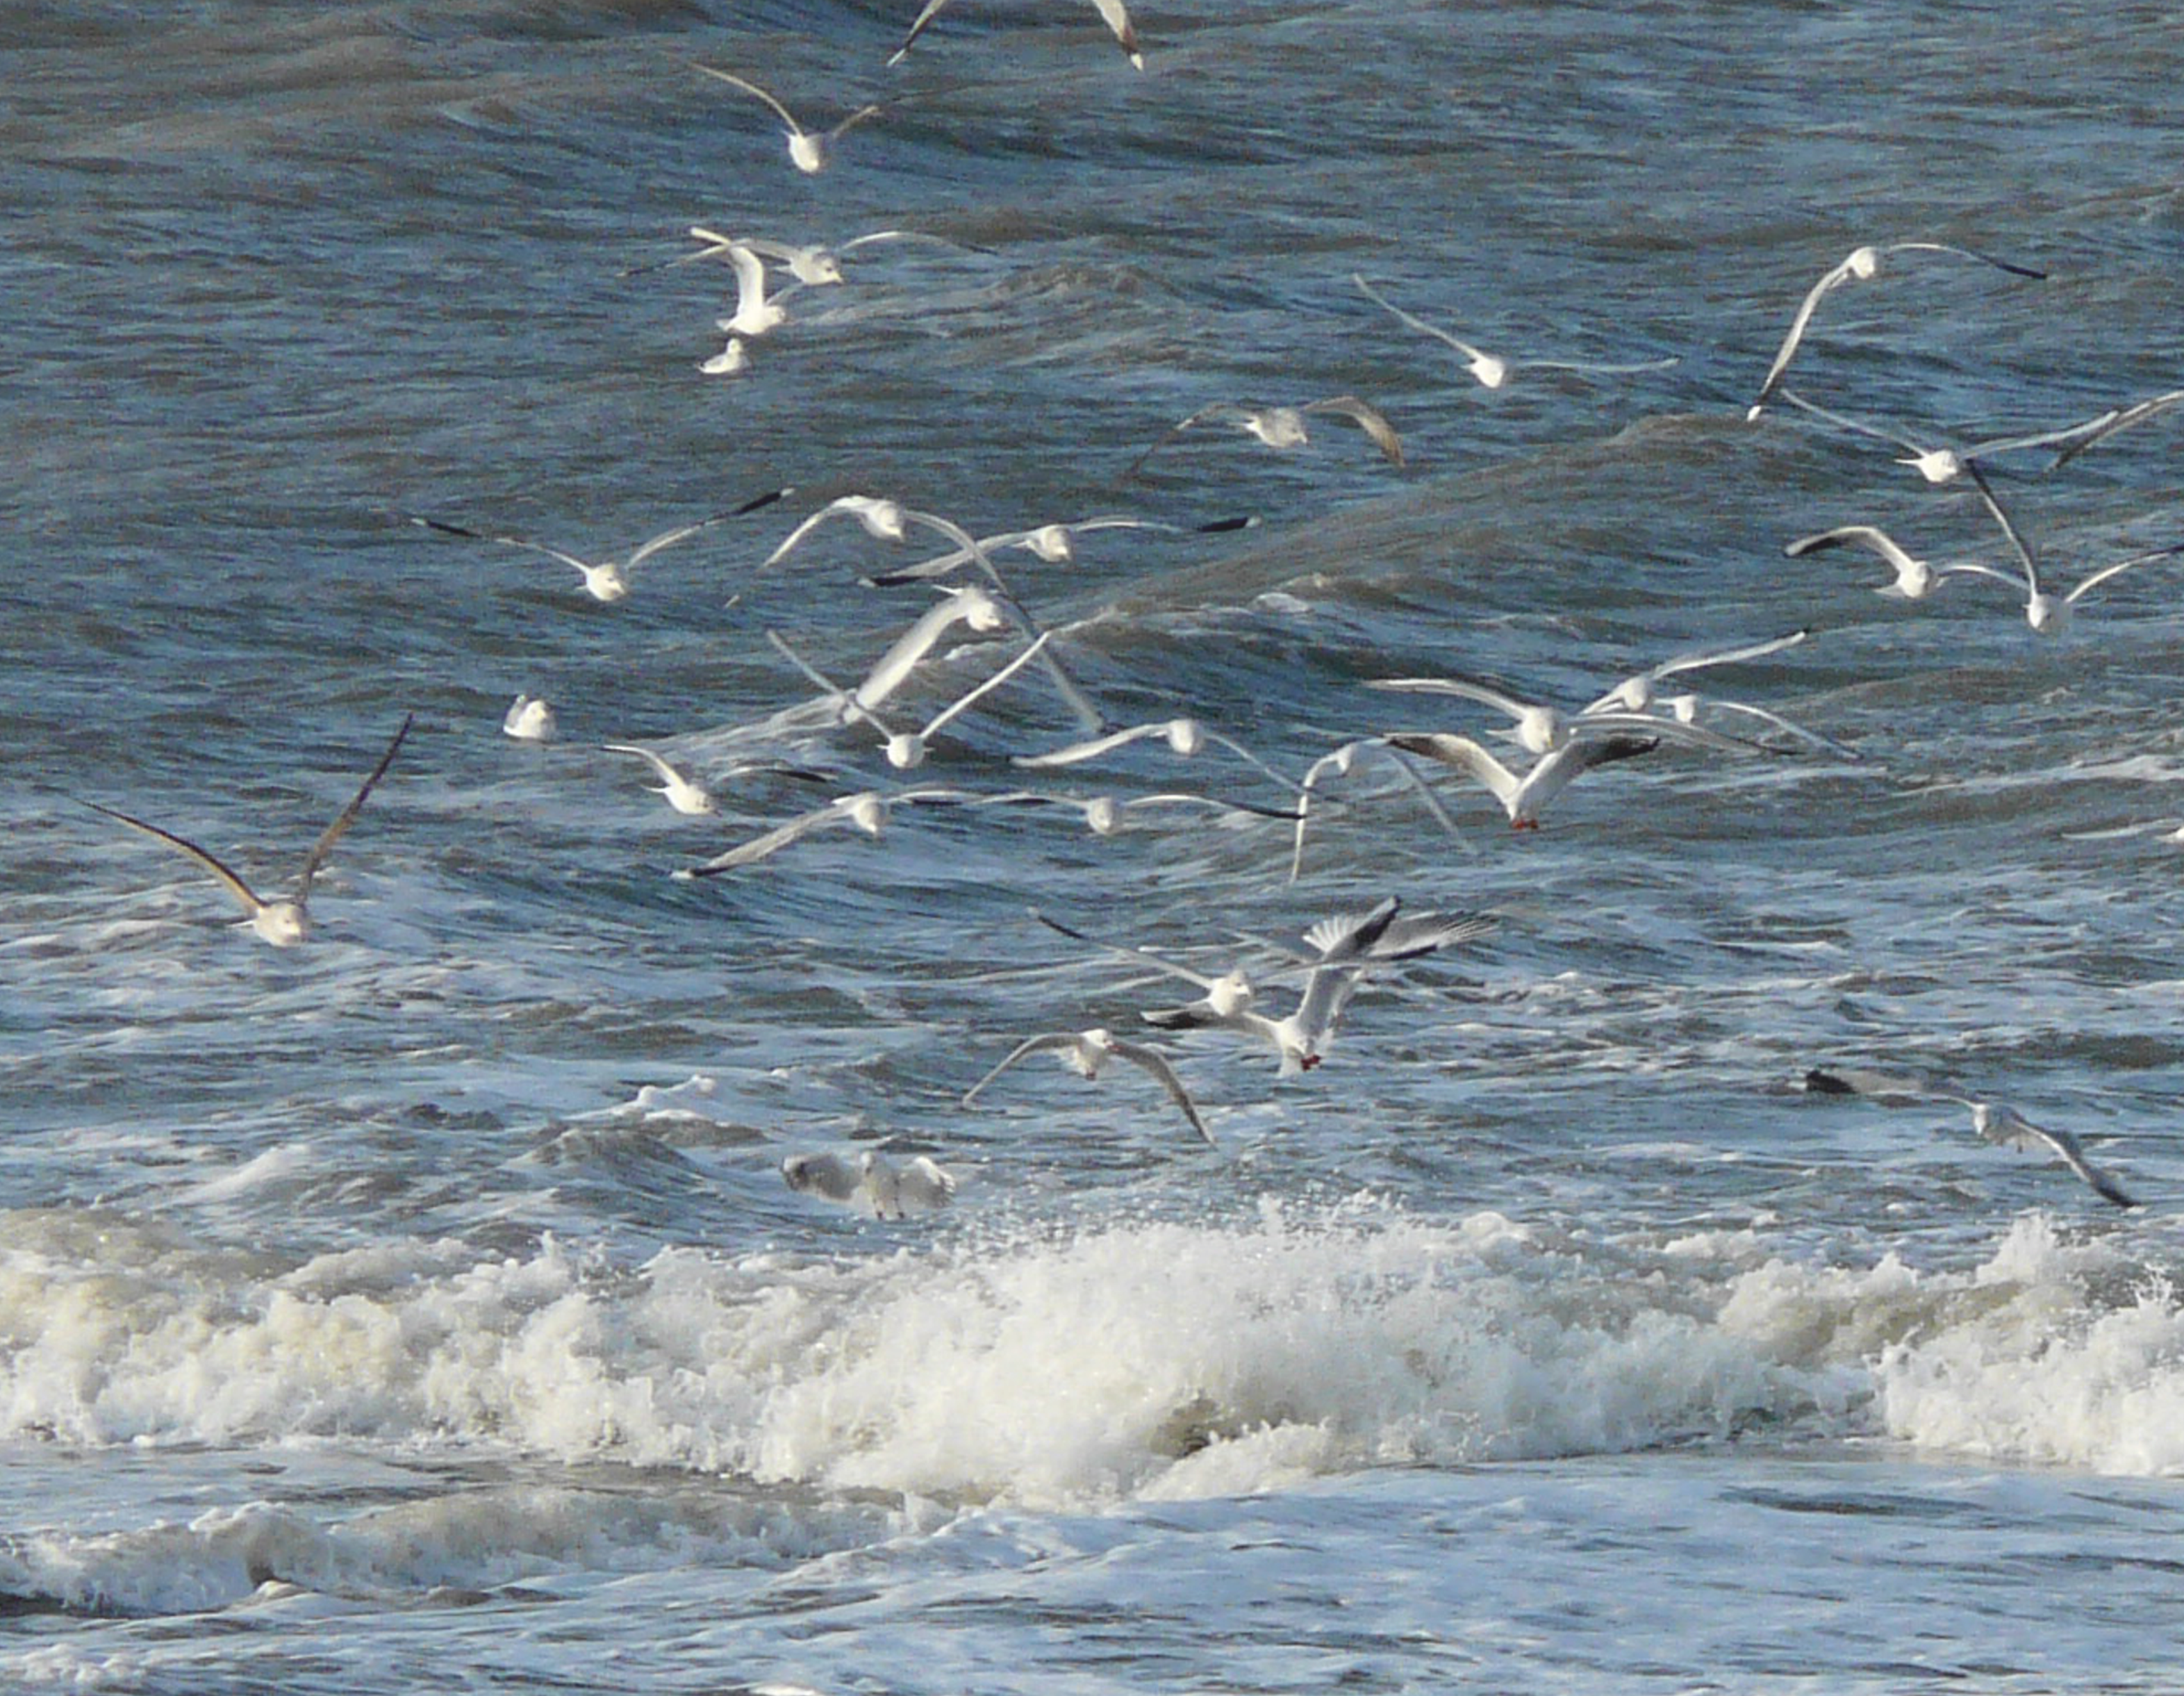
(1152, 1061)
(1030, 1044)
(229, 880)
(334, 832)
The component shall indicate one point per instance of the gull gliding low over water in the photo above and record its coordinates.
(1997, 1122)
(1492, 372)
(1086, 1051)
(680, 793)
(1915, 578)
(1524, 796)
(1183, 737)
(2049, 614)
(906, 749)
(867, 810)
(1283, 426)
(1946, 465)
(288, 921)
(1860, 263)
(608, 579)
(806, 151)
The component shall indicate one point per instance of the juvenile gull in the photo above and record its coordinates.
(1086, 1051)
(1860, 263)
(1283, 426)
(287, 922)
(1492, 372)
(1997, 1122)
(806, 151)
(1112, 12)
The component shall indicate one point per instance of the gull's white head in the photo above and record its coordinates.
(981, 611)
(880, 517)
(1102, 816)
(1863, 262)
(814, 266)
(804, 152)
(1491, 373)
(1229, 994)
(868, 811)
(905, 751)
(1092, 1047)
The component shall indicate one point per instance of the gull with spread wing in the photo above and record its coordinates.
(1086, 1051)
(806, 151)
(1995, 1122)
(1491, 373)
(287, 922)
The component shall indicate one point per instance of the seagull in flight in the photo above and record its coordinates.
(1946, 464)
(1340, 763)
(868, 811)
(1087, 1051)
(1997, 1122)
(816, 265)
(807, 150)
(685, 796)
(1859, 264)
(1183, 737)
(1491, 372)
(287, 922)
(906, 749)
(2050, 614)
(1111, 13)
(608, 579)
(1103, 814)
(1281, 427)
(1056, 543)
(1523, 795)
(1915, 578)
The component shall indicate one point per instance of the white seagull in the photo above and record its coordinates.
(1085, 1052)
(806, 151)
(1183, 737)
(817, 265)
(1056, 543)
(1997, 1122)
(1945, 465)
(288, 921)
(608, 579)
(1539, 728)
(529, 719)
(1492, 372)
(1103, 814)
(1860, 263)
(2050, 614)
(906, 749)
(682, 793)
(1915, 578)
(1111, 13)
(1524, 796)
(755, 315)
(1283, 426)
(872, 1181)
(868, 811)
(1635, 693)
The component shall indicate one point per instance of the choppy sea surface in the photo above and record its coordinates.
(425, 1306)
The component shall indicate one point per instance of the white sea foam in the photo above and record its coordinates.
(1133, 1361)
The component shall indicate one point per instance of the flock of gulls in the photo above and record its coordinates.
(975, 619)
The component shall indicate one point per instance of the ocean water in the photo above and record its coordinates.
(425, 1304)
